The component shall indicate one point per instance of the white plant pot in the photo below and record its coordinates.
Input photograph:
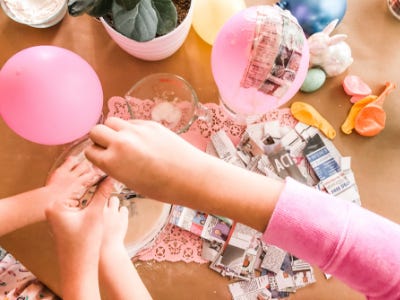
(158, 48)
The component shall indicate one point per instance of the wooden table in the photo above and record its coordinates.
(373, 34)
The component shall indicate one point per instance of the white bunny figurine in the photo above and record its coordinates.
(332, 54)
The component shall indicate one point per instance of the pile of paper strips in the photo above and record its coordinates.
(236, 250)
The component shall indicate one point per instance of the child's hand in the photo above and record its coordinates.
(78, 234)
(115, 225)
(77, 230)
(72, 179)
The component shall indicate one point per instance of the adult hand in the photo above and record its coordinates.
(145, 156)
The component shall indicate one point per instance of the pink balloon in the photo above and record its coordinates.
(259, 60)
(49, 95)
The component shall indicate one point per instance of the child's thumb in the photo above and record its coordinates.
(102, 194)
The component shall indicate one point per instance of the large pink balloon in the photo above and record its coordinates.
(259, 60)
(49, 95)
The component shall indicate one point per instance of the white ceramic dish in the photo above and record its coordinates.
(31, 12)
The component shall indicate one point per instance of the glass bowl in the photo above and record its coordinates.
(169, 99)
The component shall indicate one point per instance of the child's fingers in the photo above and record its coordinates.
(82, 167)
(70, 204)
(124, 212)
(89, 179)
(59, 206)
(102, 194)
(113, 203)
(67, 166)
(69, 163)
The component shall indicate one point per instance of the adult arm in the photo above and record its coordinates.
(343, 239)
(335, 235)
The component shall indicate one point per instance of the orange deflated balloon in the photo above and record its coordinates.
(309, 115)
(371, 119)
(349, 123)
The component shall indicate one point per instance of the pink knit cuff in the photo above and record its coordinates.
(345, 240)
(302, 222)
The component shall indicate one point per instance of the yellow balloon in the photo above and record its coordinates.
(210, 15)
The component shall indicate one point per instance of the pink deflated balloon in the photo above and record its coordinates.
(49, 95)
(259, 59)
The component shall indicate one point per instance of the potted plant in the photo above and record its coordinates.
(147, 29)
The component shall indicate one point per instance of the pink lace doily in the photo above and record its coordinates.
(173, 243)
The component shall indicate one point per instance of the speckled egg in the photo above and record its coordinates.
(314, 80)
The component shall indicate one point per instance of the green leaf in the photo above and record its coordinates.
(100, 8)
(139, 23)
(167, 16)
(128, 4)
(95, 8)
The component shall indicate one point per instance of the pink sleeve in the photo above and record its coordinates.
(355, 245)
